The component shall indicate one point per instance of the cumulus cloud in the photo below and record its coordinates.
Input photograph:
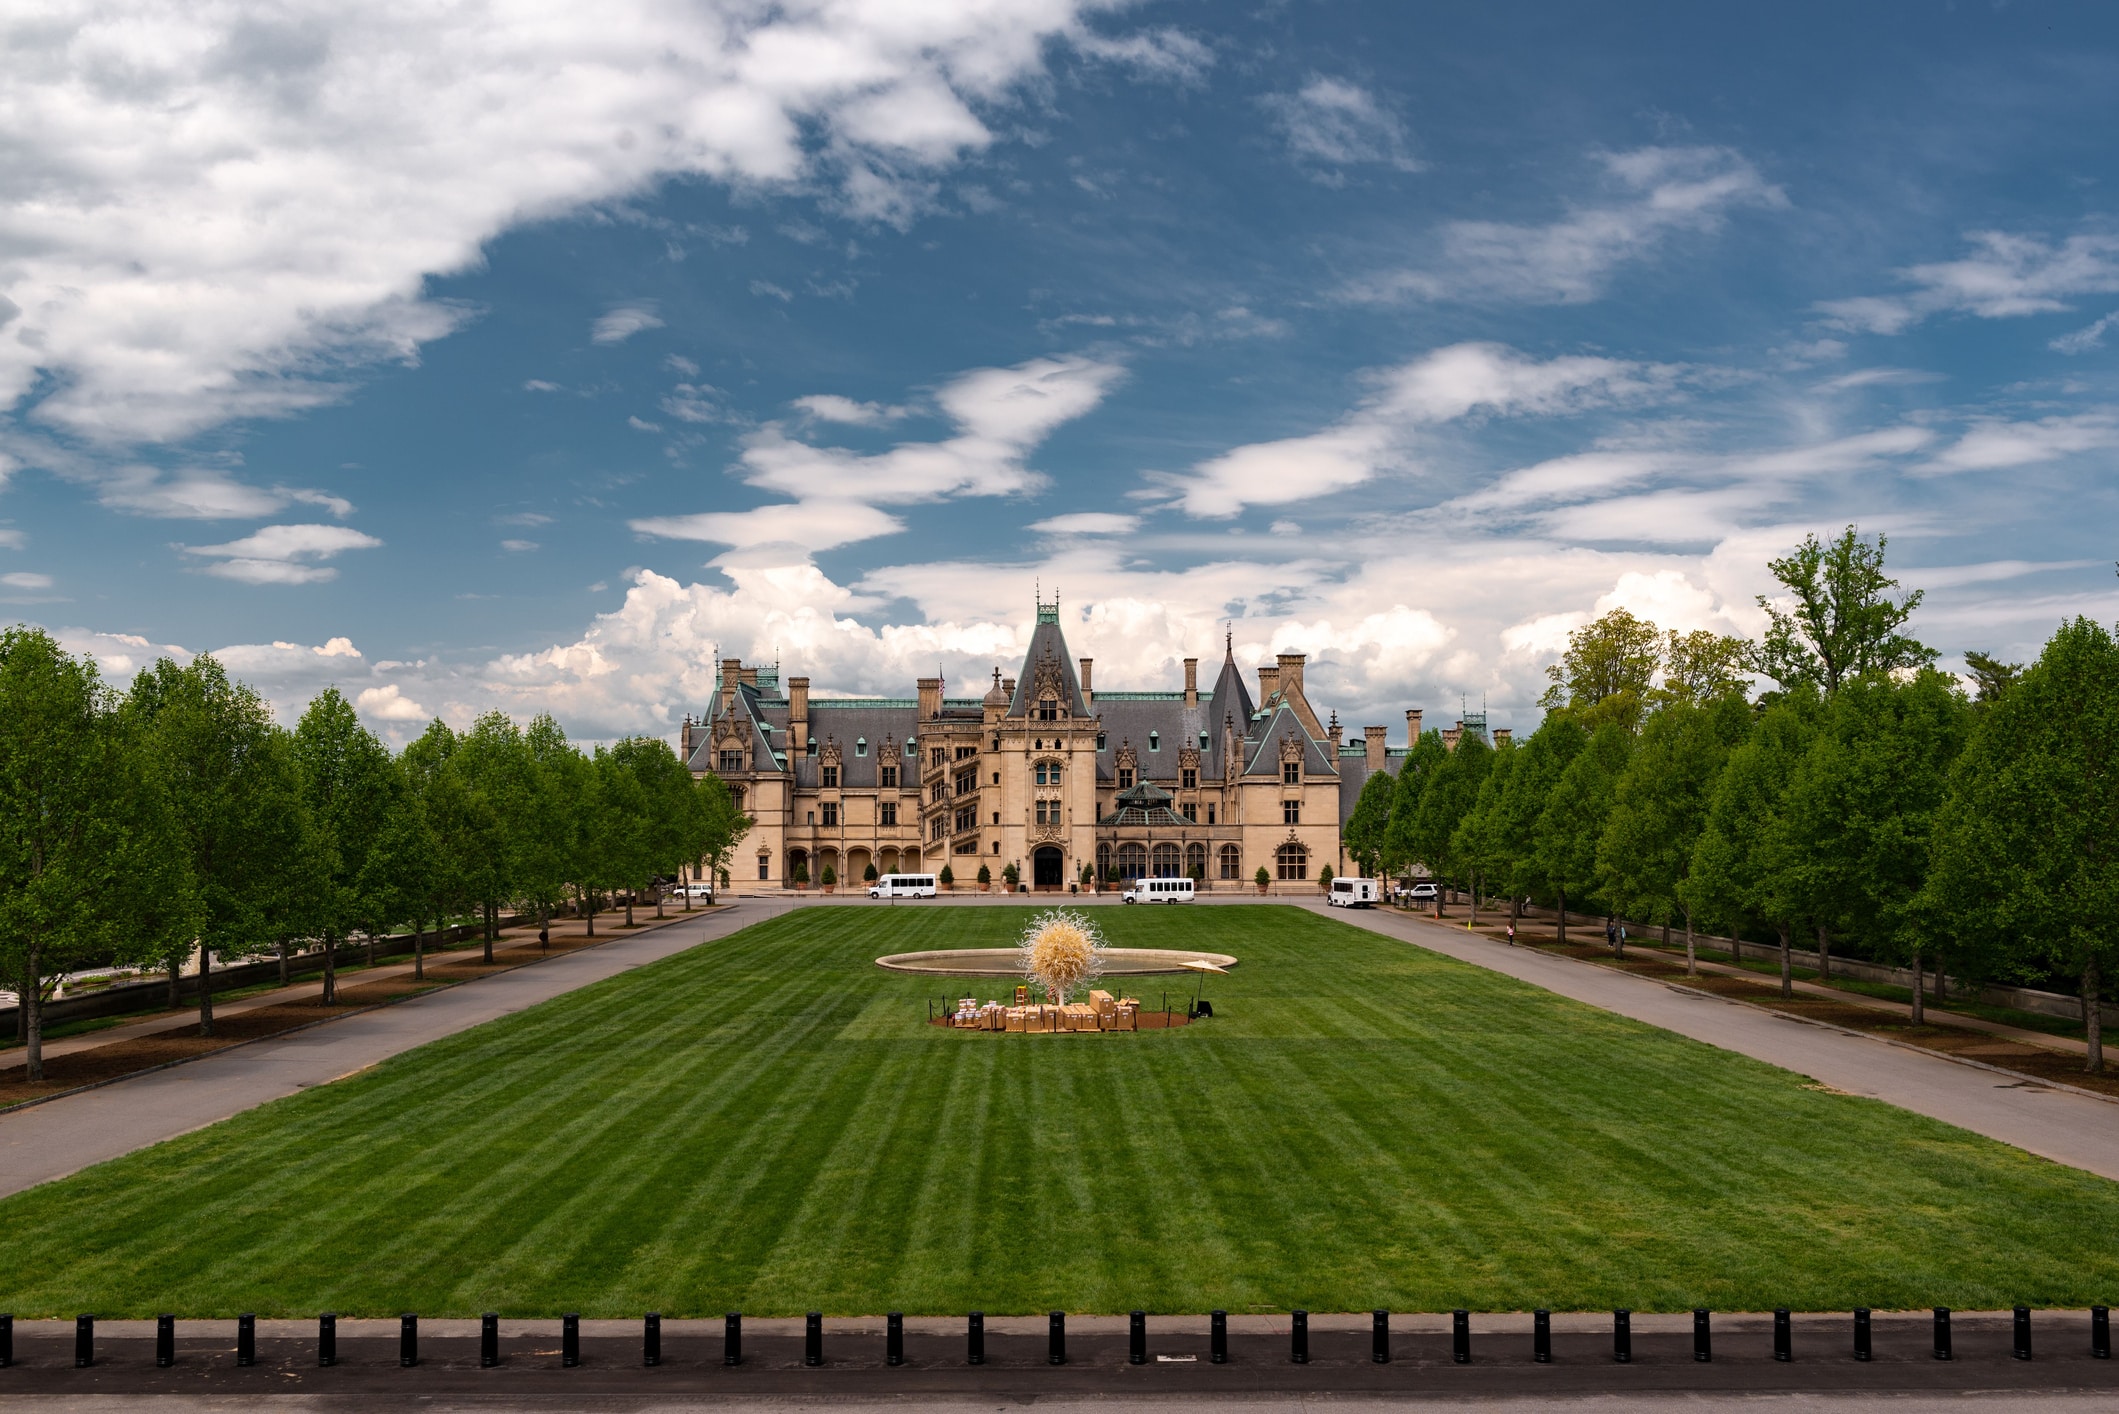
(388, 704)
(1656, 192)
(226, 206)
(2005, 276)
(1330, 123)
(621, 322)
(277, 553)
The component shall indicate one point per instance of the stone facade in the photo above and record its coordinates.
(1042, 772)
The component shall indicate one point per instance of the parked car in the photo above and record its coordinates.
(1422, 892)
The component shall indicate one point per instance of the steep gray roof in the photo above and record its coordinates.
(1265, 746)
(1230, 692)
(1046, 640)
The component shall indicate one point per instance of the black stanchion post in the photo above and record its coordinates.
(1299, 1336)
(1460, 1337)
(2023, 1333)
(246, 1339)
(894, 1338)
(489, 1340)
(1137, 1338)
(2100, 1332)
(975, 1338)
(1541, 1336)
(1783, 1336)
(165, 1341)
(327, 1339)
(1380, 1337)
(1861, 1332)
(732, 1338)
(569, 1340)
(1218, 1337)
(1056, 1338)
(1942, 1333)
(1622, 1335)
(1702, 1335)
(7, 1340)
(651, 1339)
(84, 1342)
(813, 1339)
(407, 1340)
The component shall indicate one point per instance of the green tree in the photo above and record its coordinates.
(1659, 808)
(1841, 621)
(723, 825)
(1564, 841)
(1740, 864)
(346, 784)
(1363, 834)
(623, 852)
(494, 765)
(1703, 667)
(1479, 841)
(1544, 757)
(1415, 769)
(2027, 846)
(234, 798)
(1451, 792)
(454, 824)
(1607, 671)
(551, 852)
(1990, 676)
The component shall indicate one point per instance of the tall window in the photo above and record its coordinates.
(1132, 860)
(1291, 773)
(1047, 709)
(1231, 862)
(1048, 773)
(1196, 861)
(765, 866)
(1169, 861)
(831, 812)
(941, 755)
(1293, 860)
(967, 820)
(1210, 814)
(1291, 812)
(1188, 779)
(831, 777)
(731, 762)
(967, 783)
(1189, 811)
(889, 813)
(1155, 741)
(811, 748)
(890, 777)
(1048, 812)
(1125, 778)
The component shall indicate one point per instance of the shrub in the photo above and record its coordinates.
(831, 876)
(868, 875)
(947, 876)
(985, 875)
(802, 871)
(1324, 878)
(1012, 875)
(1262, 876)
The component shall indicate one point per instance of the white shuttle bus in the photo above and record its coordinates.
(1159, 891)
(903, 886)
(1352, 893)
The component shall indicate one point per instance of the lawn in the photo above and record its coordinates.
(766, 1123)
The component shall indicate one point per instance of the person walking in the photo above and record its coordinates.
(1511, 932)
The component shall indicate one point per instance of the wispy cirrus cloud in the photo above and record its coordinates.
(1996, 444)
(621, 322)
(1330, 124)
(2004, 276)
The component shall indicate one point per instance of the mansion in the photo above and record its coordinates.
(1042, 772)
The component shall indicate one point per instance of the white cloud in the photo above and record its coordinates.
(621, 322)
(830, 407)
(24, 579)
(518, 547)
(274, 554)
(766, 289)
(2084, 339)
(13, 539)
(540, 385)
(1996, 445)
(806, 525)
(694, 402)
(641, 424)
(388, 704)
(225, 205)
(2005, 276)
(1331, 123)
(1661, 191)
(1088, 523)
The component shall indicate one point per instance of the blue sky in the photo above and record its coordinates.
(516, 357)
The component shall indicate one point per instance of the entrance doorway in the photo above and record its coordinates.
(1047, 868)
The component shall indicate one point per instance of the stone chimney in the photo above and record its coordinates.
(1502, 737)
(1191, 682)
(1268, 683)
(731, 674)
(684, 740)
(930, 698)
(1372, 747)
(1451, 736)
(1412, 727)
(1291, 673)
(1087, 695)
(798, 714)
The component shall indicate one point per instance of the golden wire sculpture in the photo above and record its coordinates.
(1062, 951)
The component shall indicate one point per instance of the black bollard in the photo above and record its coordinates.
(1783, 1336)
(813, 1339)
(2023, 1333)
(1380, 1337)
(327, 1339)
(1460, 1337)
(246, 1339)
(975, 1338)
(7, 1340)
(1218, 1337)
(651, 1339)
(1056, 1338)
(489, 1340)
(1137, 1338)
(894, 1338)
(1702, 1336)
(407, 1340)
(732, 1338)
(1299, 1334)
(1942, 1333)
(1861, 1332)
(165, 1341)
(569, 1340)
(1541, 1336)
(2100, 1332)
(1622, 1336)
(84, 1342)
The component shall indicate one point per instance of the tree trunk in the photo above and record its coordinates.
(491, 916)
(1515, 908)
(2092, 1019)
(1692, 961)
(588, 909)
(1787, 964)
(32, 1005)
(628, 908)
(1473, 920)
(544, 927)
(283, 962)
(1666, 935)
(176, 970)
(330, 968)
(371, 947)
(205, 989)
(419, 950)
(1824, 955)
(658, 903)
(687, 887)
(1920, 998)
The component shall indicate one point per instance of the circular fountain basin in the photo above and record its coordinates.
(1007, 962)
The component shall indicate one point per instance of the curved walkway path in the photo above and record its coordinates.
(63, 1136)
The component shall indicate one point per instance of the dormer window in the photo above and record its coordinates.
(860, 746)
(1291, 773)
(812, 748)
(1155, 741)
(1125, 778)
(1189, 779)
(1202, 741)
(731, 761)
(831, 777)
(1047, 709)
(911, 749)
(1099, 741)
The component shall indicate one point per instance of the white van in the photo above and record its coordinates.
(1352, 893)
(903, 886)
(1159, 891)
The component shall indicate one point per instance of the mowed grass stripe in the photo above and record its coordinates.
(766, 1123)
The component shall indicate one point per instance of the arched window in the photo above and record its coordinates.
(1155, 741)
(1048, 773)
(1196, 861)
(1169, 861)
(1132, 860)
(1231, 862)
(860, 746)
(1293, 860)
(1103, 861)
